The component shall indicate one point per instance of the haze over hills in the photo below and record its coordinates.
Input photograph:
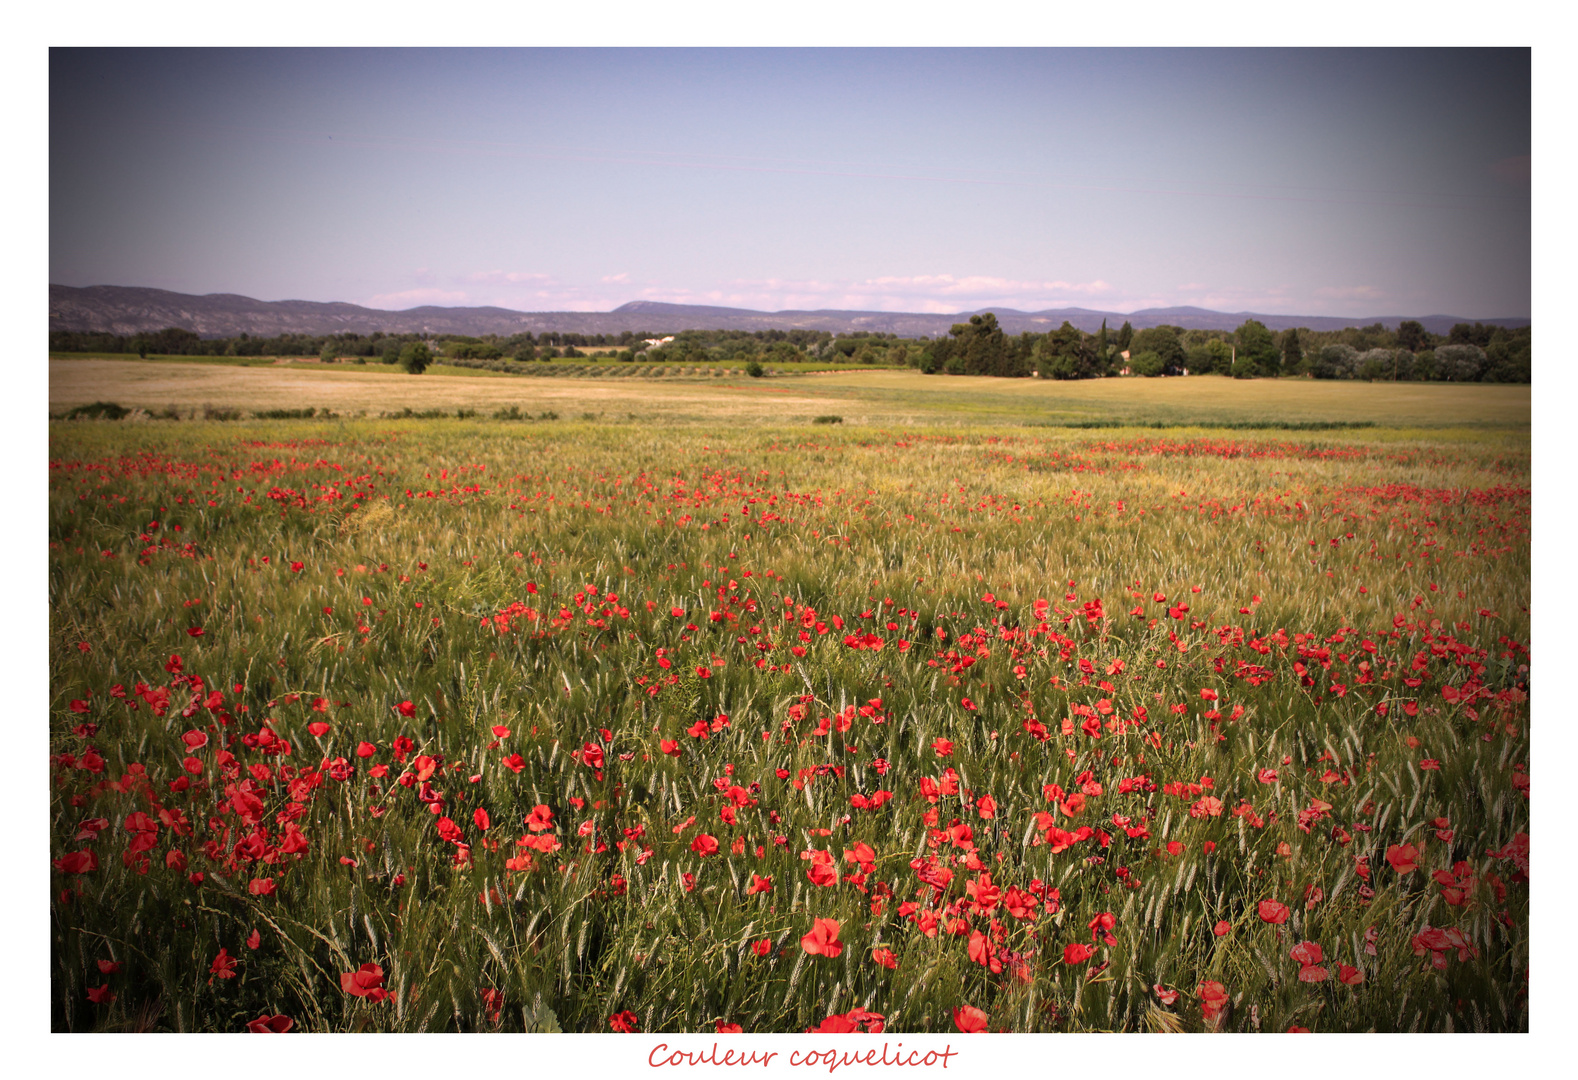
(124, 310)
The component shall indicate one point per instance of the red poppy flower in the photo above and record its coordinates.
(1164, 995)
(762, 947)
(703, 672)
(670, 747)
(727, 1029)
(223, 966)
(261, 886)
(1307, 953)
(1273, 911)
(625, 1021)
(365, 749)
(277, 1024)
(1076, 953)
(108, 967)
(1349, 975)
(759, 885)
(1213, 998)
(366, 981)
(943, 747)
(1402, 857)
(77, 862)
(318, 729)
(406, 708)
(254, 939)
(100, 995)
(886, 958)
(480, 817)
(195, 740)
(969, 1019)
(823, 939)
(1222, 928)
(592, 756)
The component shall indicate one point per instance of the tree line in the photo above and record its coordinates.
(1469, 352)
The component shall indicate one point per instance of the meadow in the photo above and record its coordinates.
(751, 725)
(872, 397)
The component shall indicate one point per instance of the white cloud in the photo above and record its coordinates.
(410, 298)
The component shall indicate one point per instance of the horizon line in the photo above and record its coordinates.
(788, 311)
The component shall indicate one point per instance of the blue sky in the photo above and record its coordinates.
(1323, 182)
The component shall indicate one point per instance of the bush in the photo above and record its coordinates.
(827, 420)
(415, 358)
(99, 410)
(755, 370)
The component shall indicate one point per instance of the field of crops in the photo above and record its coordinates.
(464, 725)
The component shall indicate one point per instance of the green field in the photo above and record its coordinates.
(699, 715)
(877, 398)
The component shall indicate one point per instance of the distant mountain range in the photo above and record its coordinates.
(121, 310)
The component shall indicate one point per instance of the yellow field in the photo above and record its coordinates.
(882, 397)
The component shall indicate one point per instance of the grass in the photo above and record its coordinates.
(1070, 655)
(869, 397)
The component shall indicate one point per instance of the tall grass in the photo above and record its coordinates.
(1354, 563)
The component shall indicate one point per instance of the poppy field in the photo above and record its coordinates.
(459, 725)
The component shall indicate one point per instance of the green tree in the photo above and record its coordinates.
(1125, 336)
(1334, 361)
(1411, 335)
(415, 357)
(1147, 363)
(1256, 344)
(1292, 352)
(1209, 356)
(1164, 342)
(983, 346)
(1064, 354)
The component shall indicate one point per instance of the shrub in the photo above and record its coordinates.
(754, 369)
(830, 419)
(99, 410)
(415, 358)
